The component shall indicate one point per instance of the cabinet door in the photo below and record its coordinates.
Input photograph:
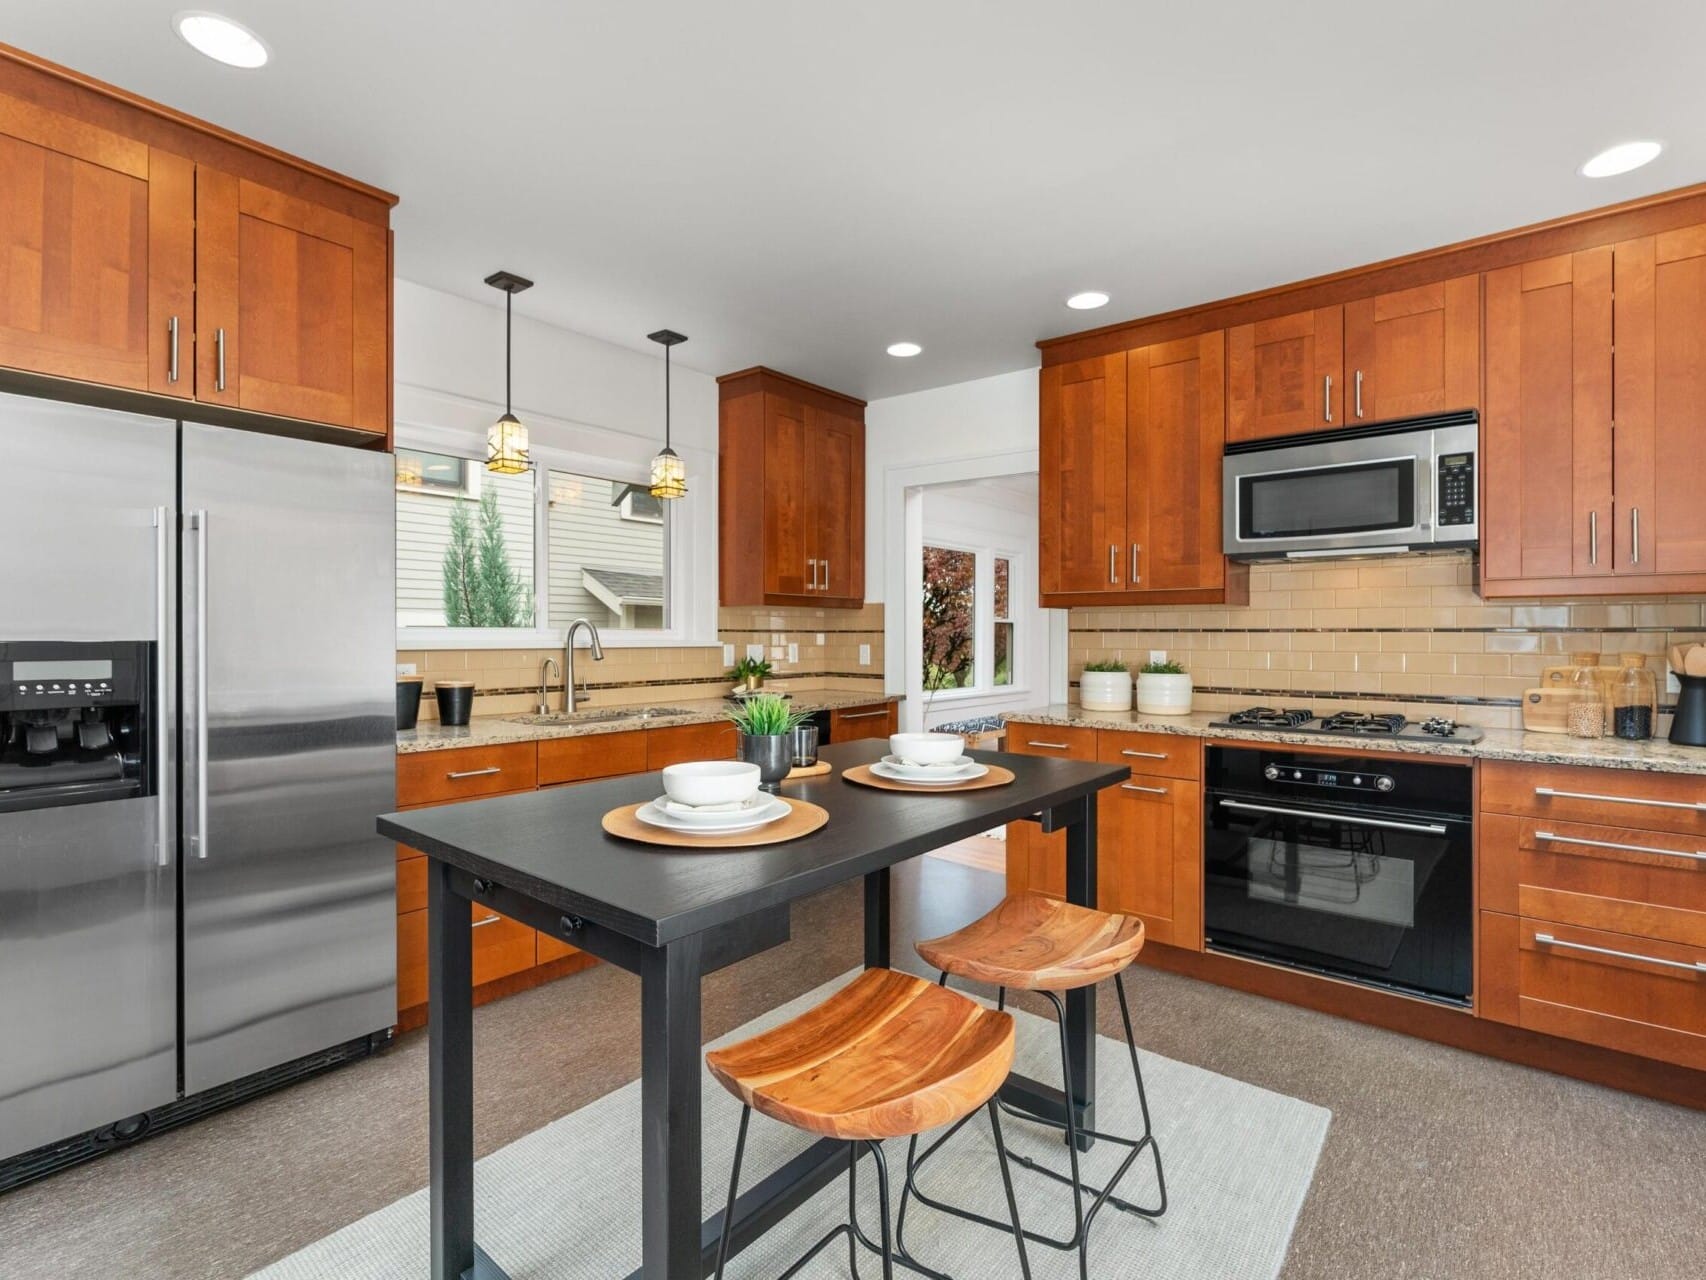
(1661, 403)
(292, 306)
(787, 515)
(1412, 352)
(1286, 375)
(96, 241)
(1175, 432)
(1082, 478)
(1547, 430)
(835, 496)
(1150, 856)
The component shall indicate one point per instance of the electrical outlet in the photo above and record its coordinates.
(408, 669)
(864, 655)
(1158, 655)
(728, 655)
(793, 652)
(820, 639)
(755, 652)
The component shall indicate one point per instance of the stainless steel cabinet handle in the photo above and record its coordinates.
(1132, 786)
(1326, 397)
(480, 924)
(1593, 537)
(172, 365)
(475, 773)
(1145, 755)
(1691, 966)
(198, 522)
(1554, 794)
(219, 349)
(1634, 535)
(1052, 746)
(162, 622)
(1554, 838)
(863, 715)
(825, 566)
(1359, 393)
(811, 575)
(1135, 552)
(1113, 565)
(1428, 828)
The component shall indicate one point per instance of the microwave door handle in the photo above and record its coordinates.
(1385, 824)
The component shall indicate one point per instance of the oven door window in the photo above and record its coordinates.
(1366, 497)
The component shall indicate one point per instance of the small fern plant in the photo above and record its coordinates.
(766, 716)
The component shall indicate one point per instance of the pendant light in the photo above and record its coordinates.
(669, 473)
(506, 439)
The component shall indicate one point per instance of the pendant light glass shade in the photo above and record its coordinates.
(669, 473)
(506, 439)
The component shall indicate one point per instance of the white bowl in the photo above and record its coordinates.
(711, 782)
(927, 748)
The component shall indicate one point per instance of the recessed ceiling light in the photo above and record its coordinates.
(221, 39)
(1621, 159)
(904, 349)
(1087, 301)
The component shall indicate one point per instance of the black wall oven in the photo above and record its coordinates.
(1357, 866)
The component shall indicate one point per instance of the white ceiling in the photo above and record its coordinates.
(800, 184)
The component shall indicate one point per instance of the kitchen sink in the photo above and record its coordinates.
(600, 716)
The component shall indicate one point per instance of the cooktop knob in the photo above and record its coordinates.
(1271, 773)
(1383, 784)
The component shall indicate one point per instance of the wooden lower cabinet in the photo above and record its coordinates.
(685, 742)
(851, 724)
(501, 947)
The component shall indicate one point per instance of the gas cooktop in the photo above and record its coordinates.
(1347, 724)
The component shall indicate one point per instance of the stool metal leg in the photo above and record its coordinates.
(1007, 1186)
(734, 1191)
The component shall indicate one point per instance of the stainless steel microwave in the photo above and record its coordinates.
(1400, 486)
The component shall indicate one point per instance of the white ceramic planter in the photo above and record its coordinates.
(1105, 690)
(1159, 695)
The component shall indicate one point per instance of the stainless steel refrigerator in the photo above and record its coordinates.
(223, 909)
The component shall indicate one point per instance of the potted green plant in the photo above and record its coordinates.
(1163, 689)
(1105, 686)
(749, 673)
(767, 725)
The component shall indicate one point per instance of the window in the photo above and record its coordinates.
(606, 553)
(1002, 608)
(950, 618)
(422, 472)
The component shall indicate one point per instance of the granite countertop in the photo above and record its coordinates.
(1653, 756)
(487, 731)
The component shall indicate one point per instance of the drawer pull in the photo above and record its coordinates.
(1612, 844)
(1692, 966)
(1588, 795)
(1050, 746)
(1145, 755)
(863, 715)
(480, 924)
(1132, 786)
(475, 773)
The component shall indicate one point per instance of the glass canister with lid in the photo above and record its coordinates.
(1587, 710)
(1634, 699)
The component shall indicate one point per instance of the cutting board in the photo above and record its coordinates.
(1562, 678)
(1548, 710)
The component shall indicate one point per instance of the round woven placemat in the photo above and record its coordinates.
(805, 819)
(862, 775)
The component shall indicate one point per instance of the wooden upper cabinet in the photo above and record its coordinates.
(97, 235)
(1413, 352)
(1546, 458)
(1660, 408)
(791, 493)
(294, 307)
(1082, 478)
(1286, 375)
(1175, 432)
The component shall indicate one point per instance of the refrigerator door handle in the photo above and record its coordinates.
(162, 669)
(198, 841)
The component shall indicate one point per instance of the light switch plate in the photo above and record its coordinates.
(1158, 655)
(793, 652)
(820, 639)
(728, 655)
(408, 669)
(864, 655)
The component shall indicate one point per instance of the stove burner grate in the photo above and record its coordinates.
(1272, 717)
(1364, 723)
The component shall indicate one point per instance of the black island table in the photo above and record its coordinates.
(674, 915)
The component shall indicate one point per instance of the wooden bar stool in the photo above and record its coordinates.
(1036, 943)
(888, 1056)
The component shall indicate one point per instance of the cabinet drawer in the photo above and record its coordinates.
(599, 755)
(433, 777)
(1601, 797)
(1051, 740)
(685, 742)
(1164, 755)
(1637, 995)
(501, 947)
(1625, 880)
(412, 884)
(850, 724)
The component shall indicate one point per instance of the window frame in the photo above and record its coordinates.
(984, 555)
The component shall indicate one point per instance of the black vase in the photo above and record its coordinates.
(1688, 726)
(408, 701)
(455, 702)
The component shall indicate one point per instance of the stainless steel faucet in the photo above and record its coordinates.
(571, 693)
(547, 669)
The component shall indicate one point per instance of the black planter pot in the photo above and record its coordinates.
(455, 701)
(408, 701)
(773, 753)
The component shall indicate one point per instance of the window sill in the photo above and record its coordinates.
(428, 639)
(973, 695)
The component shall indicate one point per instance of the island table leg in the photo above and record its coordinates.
(670, 1112)
(450, 1074)
(877, 919)
(1081, 1003)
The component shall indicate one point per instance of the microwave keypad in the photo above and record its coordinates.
(1456, 488)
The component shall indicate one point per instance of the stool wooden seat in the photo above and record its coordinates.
(1035, 943)
(888, 1056)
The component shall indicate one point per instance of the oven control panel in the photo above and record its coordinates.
(1456, 497)
(1343, 779)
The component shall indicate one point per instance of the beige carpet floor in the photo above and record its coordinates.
(1439, 1165)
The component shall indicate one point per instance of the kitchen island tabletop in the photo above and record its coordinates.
(673, 915)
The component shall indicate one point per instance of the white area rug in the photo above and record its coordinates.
(562, 1203)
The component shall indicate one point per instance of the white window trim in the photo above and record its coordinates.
(690, 536)
(984, 556)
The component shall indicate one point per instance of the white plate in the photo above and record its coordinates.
(929, 777)
(653, 815)
(956, 767)
(715, 815)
